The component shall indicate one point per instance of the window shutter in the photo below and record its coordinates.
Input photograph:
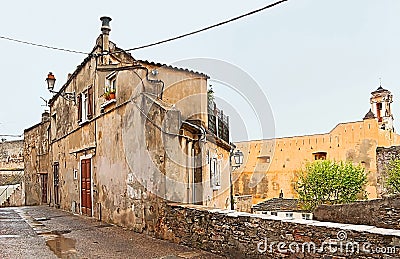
(218, 173)
(212, 173)
(90, 103)
(79, 107)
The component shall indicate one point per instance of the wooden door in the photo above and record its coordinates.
(86, 187)
(44, 187)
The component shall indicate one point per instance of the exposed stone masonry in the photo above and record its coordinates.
(238, 235)
(383, 213)
(383, 157)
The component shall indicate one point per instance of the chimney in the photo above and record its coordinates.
(45, 116)
(105, 29)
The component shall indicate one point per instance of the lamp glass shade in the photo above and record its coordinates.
(51, 80)
(238, 156)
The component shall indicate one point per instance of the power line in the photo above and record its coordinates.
(42, 46)
(155, 43)
(207, 28)
(13, 136)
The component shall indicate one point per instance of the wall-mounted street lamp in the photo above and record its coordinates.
(237, 159)
(237, 162)
(51, 80)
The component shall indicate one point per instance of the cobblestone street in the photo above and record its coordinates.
(44, 232)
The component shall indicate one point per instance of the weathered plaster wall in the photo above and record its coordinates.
(238, 235)
(218, 197)
(36, 159)
(384, 213)
(11, 155)
(355, 141)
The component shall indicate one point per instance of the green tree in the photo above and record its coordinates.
(329, 182)
(393, 176)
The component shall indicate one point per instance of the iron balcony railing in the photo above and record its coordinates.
(218, 122)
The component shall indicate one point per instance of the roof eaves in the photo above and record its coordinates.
(174, 68)
(77, 70)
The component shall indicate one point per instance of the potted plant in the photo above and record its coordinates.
(107, 96)
(109, 93)
(112, 94)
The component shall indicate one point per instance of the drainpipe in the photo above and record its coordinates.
(193, 180)
(189, 167)
(183, 147)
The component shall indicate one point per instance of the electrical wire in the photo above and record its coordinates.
(13, 136)
(43, 46)
(155, 43)
(206, 28)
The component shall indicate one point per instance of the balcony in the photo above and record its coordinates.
(218, 122)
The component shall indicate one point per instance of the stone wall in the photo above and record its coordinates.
(243, 203)
(383, 157)
(383, 213)
(36, 161)
(243, 235)
(11, 155)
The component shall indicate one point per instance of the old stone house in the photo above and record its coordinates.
(271, 165)
(36, 162)
(126, 135)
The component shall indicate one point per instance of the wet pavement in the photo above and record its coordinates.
(44, 232)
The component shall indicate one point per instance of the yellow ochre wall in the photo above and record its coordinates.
(352, 141)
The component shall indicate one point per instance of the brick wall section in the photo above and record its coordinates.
(383, 156)
(237, 235)
(383, 213)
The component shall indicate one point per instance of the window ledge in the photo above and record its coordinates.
(83, 122)
(216, 187)
(107, 103)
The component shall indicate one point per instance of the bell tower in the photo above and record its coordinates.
(381, 100)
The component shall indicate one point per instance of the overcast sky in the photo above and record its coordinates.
(316, 61)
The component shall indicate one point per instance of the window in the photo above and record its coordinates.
(264, 159)
(289, 215)
(319, 155)
(306, 216)
(379, 111)
(85, 105)
(111, 86)
(215, 173)
(274, 213)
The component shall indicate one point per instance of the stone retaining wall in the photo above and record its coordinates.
(242, 235)
(383, 157)
(383, 213)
